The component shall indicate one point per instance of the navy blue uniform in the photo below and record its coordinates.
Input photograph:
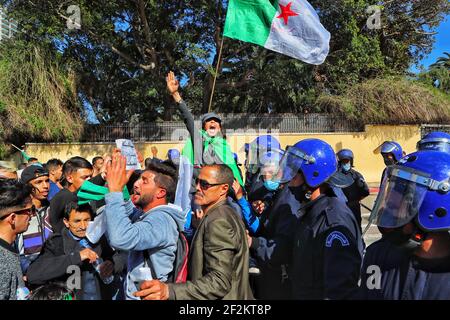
(357, 191)
(327, 251)
(403, 275)
(272, 246)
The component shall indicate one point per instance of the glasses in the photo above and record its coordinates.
(28, 211)
(31, 212)
(205, 185)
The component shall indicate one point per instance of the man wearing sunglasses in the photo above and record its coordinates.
(219, 260)
(16, 210)
(30, 242)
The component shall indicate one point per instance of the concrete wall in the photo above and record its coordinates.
(362, 144)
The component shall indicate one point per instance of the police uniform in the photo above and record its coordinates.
(327, 251)
(403, 275)
(272, 246)
(355, 193)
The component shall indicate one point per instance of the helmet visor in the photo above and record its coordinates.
(401, 195)
(442, 145)
(385, 147)
(291, 163)
(259, 156)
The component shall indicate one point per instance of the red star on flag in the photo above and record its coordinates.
(286, 12)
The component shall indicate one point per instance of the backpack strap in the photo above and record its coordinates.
(148, 262)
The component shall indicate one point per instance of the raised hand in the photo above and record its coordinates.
(238, 190)
(173, 85)
(116, 174)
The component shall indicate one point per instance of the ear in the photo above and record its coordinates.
(69, 178)
(224, 189)
(11, 219)
(161, 193)
(66, 223)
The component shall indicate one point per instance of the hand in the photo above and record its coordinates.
(154, 151)
(259, 206)
(116, 174)
(106, 269)
(139, 156)
(199, 214)
(173, 86)
(153, 290)
(88, 254)
(238, 190)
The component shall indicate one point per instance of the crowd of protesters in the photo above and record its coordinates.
(288, 227)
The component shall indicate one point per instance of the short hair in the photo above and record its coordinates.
(133, 178)
(32, 159)
(13, 193)
(224, 174)
(94, 160)
(52, 291)
(75, 163)
(166, 177)
(71, 206)
(53, 164)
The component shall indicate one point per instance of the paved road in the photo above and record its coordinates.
(372, 234)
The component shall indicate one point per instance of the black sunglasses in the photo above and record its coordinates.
(205, 185)
(28, 211)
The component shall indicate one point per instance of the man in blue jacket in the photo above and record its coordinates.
(150, 235)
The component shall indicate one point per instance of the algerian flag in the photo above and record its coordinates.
(186, 169)
(290, 27)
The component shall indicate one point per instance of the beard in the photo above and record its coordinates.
(144, 200)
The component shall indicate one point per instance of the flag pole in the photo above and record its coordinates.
(215, 75)
(17, 147)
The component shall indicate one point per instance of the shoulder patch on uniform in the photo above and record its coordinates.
(336, 235)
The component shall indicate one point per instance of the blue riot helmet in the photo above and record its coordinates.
(390, 147)
(345, 154)
(416, 189)
(258, 151)
(314, 158)
(435, 141)
(174, 155)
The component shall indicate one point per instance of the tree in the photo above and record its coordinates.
(37, 96)
(124, 49)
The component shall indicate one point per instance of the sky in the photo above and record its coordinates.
(441, 45)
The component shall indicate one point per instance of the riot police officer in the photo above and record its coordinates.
(412, 260)
(391, 151)
(359, 189)
(328, 247)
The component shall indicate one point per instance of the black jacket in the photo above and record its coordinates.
(62, 251)
(355, 193)
(273, 246)
(327, 251)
